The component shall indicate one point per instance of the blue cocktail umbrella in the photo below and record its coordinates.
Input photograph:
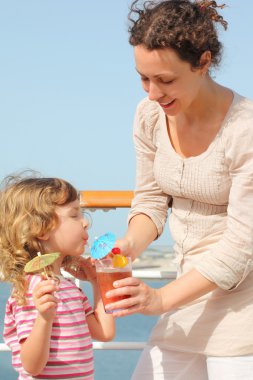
(102, 245)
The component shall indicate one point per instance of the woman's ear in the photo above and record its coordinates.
(205, 61)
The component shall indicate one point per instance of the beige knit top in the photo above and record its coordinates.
(211, 222)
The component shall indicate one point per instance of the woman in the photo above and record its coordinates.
(194, 147)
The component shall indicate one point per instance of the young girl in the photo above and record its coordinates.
(49, 323)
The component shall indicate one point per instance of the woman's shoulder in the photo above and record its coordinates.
(148, 108)
(238, 131)
(148, 115)
(239, 120)
(242, 109)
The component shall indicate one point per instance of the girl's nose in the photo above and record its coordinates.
(85, 223)
(154, 92)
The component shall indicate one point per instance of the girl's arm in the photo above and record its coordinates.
(150, 301)
(101, 325)
(35, 349)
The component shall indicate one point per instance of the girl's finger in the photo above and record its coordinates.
(46, 306)
(44, 289)
(43, 283)
(47, 298)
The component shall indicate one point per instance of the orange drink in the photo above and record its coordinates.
(107, 274)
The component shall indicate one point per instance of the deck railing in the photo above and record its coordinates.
(107, 200)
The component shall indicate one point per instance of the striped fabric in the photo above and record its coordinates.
(71, 355)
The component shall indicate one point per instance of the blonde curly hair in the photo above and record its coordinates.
(27, 211)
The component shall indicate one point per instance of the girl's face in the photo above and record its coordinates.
(70, 236)
(167, 79)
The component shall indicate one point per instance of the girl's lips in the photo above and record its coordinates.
(167, 105)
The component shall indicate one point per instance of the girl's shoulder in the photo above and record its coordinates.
(12, 305)
(33, 280)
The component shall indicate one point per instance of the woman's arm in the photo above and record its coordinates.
(141, 232)
(35, 349)
(150, 204)
(150, 301)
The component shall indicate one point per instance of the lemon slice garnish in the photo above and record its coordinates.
(119, 261)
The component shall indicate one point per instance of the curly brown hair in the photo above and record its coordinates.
(27, 211)
(187, 27)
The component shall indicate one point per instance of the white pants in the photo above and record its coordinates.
(157, 364)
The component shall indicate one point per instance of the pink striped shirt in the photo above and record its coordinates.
(71, 354)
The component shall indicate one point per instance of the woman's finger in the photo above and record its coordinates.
(124, 291)
(124, 308)
(126, 312)
(123, 245)
(122, 304)
(128, 281)
(127, 286)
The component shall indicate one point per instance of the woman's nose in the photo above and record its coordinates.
(154, 92)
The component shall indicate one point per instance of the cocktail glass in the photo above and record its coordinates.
(107, 274)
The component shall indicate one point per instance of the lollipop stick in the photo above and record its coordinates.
(45, 273)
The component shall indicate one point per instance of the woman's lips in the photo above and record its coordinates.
(167, 105)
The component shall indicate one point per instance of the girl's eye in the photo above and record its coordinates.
(144, 79)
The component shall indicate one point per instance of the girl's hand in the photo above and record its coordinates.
(82, 269)
(44, 299)
(143, 299)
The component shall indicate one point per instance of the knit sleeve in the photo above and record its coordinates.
(149, 199)
(231, 259)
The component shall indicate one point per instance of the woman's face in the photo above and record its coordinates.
(167, 79)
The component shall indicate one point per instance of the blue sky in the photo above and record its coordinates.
(68, 91)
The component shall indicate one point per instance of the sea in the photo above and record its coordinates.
(109, 364)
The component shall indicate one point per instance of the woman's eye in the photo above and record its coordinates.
(164, 81)
(144, 79)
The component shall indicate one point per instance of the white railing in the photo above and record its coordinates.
(145, 275)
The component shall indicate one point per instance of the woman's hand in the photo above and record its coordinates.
(143, 299)
(82, 269)
(124, 245)
(44, 299)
